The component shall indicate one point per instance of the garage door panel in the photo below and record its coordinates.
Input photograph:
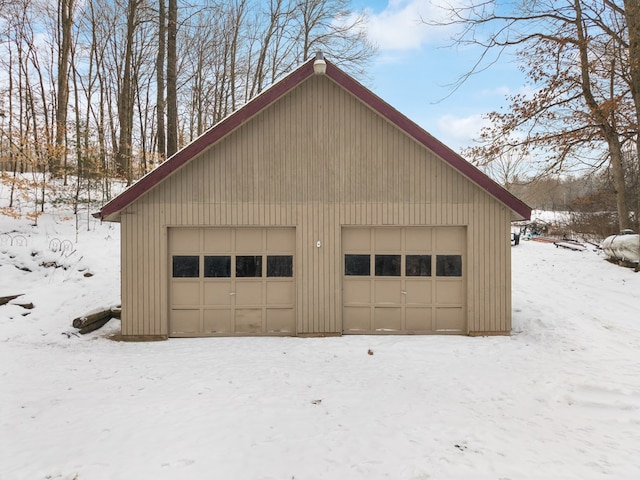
(357, 240)
(357, 291)
(449, 291)
(387, 239)
(281, 240)
(418, 291)
(217, 293)
(357, 319)
(387, 319)
(281, 320)
(185, 321)
(248, 293)
(217, 240)
(280, 293)
(185, 240)
(449, 319)
(418, 239)
(450, 239)
(217, 321)
(186, 293)
(248, 320)
(248, 240)
(388, 291)
(419, 319)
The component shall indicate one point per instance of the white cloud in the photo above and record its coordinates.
(460, 131)
(400, 27)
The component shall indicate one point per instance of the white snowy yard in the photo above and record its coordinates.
(559, 399)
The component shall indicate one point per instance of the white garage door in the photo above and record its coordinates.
(404, 280)
(231, 281)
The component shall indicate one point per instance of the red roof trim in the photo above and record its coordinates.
(278, 90)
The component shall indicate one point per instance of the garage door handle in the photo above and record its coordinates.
(404, 292)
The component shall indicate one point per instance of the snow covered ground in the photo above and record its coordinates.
(559, 399)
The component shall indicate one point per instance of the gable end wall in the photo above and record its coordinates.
(318, 159)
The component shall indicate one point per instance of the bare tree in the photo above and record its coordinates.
(160, 103)
(110, 86)
(172, 80)
(65, 23)
(330, 26)
(579, 111)
(125, 97)
(508, 169)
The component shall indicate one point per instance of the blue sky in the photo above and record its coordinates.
(416, 64)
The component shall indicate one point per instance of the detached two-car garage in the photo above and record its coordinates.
(315, 209)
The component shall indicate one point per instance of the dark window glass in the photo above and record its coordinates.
(249, 266)
(358, 265)
(217, 266)
(186, 266)
(418, 266)
(387, 265)
(449, 265)
(279, 266)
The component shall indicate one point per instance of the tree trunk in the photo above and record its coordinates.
(160, 103)
(172, 94)
(605, 124)
(65, 10)
(632, 15)
(125, 100)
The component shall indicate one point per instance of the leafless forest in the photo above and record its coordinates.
(97, 91)
(105, 89)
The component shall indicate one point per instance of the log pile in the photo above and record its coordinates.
(94, 321)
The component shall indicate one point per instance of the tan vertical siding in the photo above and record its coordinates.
(318, 160)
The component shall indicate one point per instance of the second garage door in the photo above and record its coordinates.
(404, 280)
(231, 281)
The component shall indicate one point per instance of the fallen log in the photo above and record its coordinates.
(94, 325)
(7, 299)
(82, 322)
(93, 321)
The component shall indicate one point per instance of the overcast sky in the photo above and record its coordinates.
(416, 65)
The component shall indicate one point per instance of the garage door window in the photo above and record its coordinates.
(449, 265)
(186, 266)
(279, 266)
(387, 265)
(218, 266)
(248, 266)
(418, 266)
(357, 265)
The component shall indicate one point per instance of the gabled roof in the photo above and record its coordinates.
(112, 209)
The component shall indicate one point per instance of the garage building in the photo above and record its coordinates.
(315, 209)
